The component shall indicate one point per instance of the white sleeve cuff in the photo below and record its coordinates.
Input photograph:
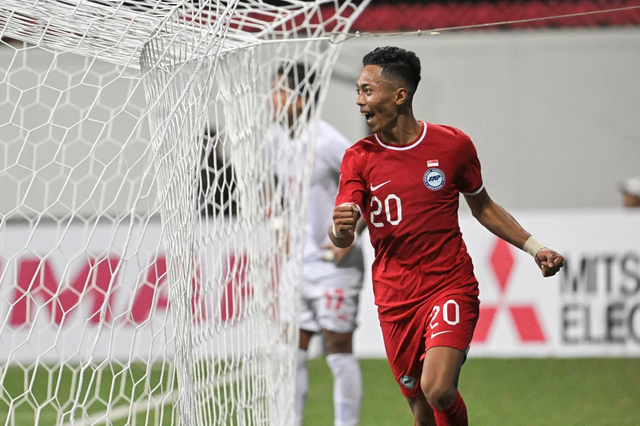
(476, 192)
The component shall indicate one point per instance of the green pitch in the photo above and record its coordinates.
(502, 392)
(498, 392)
(38, 394)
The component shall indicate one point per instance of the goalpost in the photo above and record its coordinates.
(149, 242)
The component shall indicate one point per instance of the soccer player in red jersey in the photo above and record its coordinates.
(405, 180)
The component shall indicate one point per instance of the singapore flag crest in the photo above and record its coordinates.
(432, 163)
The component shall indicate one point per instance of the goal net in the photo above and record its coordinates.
(151, 226)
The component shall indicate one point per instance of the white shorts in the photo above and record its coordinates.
(330, 294)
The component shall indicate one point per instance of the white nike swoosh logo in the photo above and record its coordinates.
(440, 332)
(373, 188)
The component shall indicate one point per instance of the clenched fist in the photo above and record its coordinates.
(345, 218)
(549, 261)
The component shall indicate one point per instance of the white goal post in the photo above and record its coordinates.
(149, 240)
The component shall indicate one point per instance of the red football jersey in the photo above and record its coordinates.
(409, 198)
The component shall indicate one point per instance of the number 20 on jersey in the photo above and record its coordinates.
(392, 207)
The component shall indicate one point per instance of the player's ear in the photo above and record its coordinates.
(402, 95)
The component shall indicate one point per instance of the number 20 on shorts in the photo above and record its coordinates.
(447, 308)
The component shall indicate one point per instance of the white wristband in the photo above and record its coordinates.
(532, 246)
(337, 234)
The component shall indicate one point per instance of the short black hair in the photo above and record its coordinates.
(297, 74)
(396, 62)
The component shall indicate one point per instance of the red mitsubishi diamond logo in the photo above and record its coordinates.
(524, 317)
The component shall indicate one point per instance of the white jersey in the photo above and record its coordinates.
(321, 279)
(330, 147)
(329, 150)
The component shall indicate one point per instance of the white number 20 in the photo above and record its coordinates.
(378, 210)
(445, 314)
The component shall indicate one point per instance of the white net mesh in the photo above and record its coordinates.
(151, 226)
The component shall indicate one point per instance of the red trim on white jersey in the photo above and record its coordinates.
(400, 147)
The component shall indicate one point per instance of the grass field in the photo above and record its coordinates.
(498, 392)
(503, 392)
(38, 396)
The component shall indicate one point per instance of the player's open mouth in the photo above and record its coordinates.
(368, 116)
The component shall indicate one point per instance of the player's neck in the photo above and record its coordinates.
(294, 127)
(405, 130)
(291, 130)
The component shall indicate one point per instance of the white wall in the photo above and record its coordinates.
(554, 114)
(76, 123)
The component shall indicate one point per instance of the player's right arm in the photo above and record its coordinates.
(345, 218)
(351, 193)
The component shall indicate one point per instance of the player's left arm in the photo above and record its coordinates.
(497, 220)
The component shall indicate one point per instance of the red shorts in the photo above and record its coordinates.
(446, 321)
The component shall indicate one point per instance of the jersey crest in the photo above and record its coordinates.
(434, 179)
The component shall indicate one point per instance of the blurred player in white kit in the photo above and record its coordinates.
(332, 277)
